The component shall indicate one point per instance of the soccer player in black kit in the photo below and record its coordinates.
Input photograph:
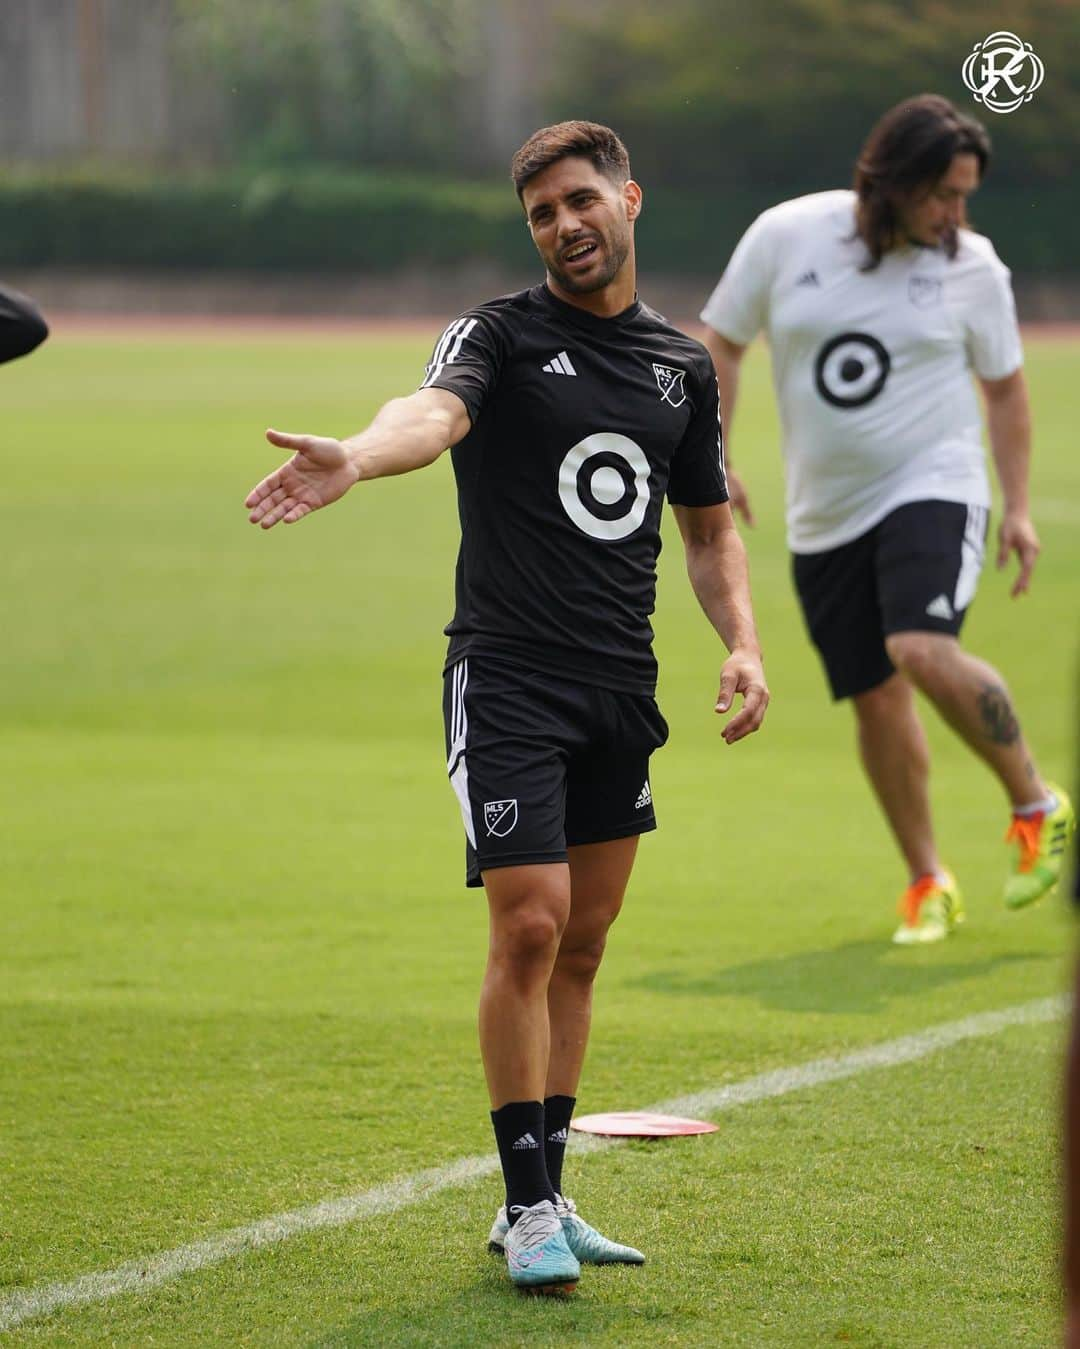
(572, 410)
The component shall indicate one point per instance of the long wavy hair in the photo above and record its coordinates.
(908, 151)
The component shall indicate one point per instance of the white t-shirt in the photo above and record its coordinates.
(871, 369)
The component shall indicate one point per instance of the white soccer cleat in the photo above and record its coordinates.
(538, 1258)
(590, 1246)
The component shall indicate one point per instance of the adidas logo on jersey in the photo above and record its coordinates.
(809, 278)
(559, 365)
(560, 1136)
(644, 797)
(940, 608)
(524, 1142)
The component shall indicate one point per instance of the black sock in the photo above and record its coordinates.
(519, 1133)
(557, 1112)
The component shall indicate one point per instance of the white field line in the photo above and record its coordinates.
(153, 1270)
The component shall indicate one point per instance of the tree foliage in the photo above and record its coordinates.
(783, 92)
(364, 81)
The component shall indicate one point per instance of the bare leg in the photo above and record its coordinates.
(599, 873)
(896, 757)
(528, 907)
(973, 699)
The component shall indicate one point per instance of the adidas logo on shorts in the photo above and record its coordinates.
(524, 1142)
(940, 608)
(644, 797)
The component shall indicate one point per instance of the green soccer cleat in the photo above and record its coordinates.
(931, 909)
(1042, 840)
(587, 1244)
(538, 1258)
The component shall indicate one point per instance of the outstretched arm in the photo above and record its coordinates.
(405, 434)
(727, 357)
(1008, 421)
(716, 563)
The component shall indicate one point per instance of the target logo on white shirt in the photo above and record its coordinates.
(850, 370)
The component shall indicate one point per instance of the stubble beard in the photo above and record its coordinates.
(616, 250)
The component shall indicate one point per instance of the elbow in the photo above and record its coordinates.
(702, 552)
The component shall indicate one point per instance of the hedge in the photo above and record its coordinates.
(326, 221)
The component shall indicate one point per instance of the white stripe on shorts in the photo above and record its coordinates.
(972, 550)
(459, 731)
(459, 720)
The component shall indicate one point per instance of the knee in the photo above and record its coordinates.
(882, 703)
(581, 960)
(529, 937)
(915, 654)
(582, 947)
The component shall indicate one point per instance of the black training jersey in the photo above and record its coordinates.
(580, 427)
(21, 326)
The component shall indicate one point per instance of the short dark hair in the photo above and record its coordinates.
(912, 145)
(599, 144)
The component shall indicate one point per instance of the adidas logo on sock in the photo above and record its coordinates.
(524, 1142)
(644, 797)
(940, 608)
(809, 278)
(560, 1136)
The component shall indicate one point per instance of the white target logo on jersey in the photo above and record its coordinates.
(604, 485)
(851, 370)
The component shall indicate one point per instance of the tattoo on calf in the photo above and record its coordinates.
(998, 718)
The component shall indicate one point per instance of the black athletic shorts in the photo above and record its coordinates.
(540, 764)
(915, 571)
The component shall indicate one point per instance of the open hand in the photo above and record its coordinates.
(318, 473)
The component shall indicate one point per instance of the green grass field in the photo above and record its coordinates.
(238, 969)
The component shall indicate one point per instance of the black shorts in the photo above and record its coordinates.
(915, 571)
(541, 764)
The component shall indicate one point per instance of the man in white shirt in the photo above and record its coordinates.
(877, 303)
